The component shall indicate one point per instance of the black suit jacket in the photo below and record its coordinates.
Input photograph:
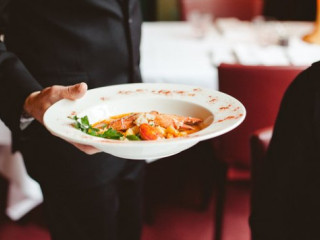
(49, 42)
(286, 199)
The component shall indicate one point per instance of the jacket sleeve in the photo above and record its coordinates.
(16, 83)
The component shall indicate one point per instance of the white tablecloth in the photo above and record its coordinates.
(257, 43)
(171, 53)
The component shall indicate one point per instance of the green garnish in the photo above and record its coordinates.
(81, 123)
(111, 134)
(84, 125)
(133, 137)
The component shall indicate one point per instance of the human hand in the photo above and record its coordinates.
(37, 103)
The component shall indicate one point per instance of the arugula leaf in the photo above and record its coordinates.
(73, 117)
(85, 121)
(84, 125)
(93, 132)
(133, 137)
(111, 134)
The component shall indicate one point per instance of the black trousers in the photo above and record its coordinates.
(85, 197)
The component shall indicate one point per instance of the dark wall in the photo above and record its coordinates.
(291, 9)
(149, 10)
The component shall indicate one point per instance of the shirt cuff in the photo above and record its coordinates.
(25, 120)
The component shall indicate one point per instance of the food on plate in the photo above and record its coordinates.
(140, 126)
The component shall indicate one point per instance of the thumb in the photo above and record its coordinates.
(75, 91)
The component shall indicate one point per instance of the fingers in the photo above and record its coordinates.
(86, 148)
(57, 92)
(38, 102)
(32, 107)
(72, 92)
(75, 91)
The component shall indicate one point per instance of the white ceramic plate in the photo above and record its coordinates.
(221, 113)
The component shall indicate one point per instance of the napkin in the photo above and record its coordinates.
(261, 55)
(24, 193)
(234, 30)
(302, 53)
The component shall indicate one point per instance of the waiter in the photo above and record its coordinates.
(55, 49)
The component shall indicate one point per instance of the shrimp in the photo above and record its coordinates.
(122, 124)
(178, 122)
(148, 132)
(163, 120)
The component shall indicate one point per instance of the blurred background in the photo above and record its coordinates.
(169, 10)
(250, 49)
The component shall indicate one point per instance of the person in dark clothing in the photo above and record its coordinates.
(295, 10)
(55, 49)
(286, 197)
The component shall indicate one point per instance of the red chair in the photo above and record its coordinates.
(259, 142)
(260, 89)
(242, 9)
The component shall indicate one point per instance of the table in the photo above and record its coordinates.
(171, 53)
(269, 43)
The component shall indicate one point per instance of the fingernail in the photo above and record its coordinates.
(82, 86)
(78, 86)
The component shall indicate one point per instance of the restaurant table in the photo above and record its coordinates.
(172, 52)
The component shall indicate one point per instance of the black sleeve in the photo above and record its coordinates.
(285, 199)
(16, 82)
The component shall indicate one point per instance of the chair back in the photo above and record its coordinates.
(259, 143)
(242, 9)
(260, 89)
